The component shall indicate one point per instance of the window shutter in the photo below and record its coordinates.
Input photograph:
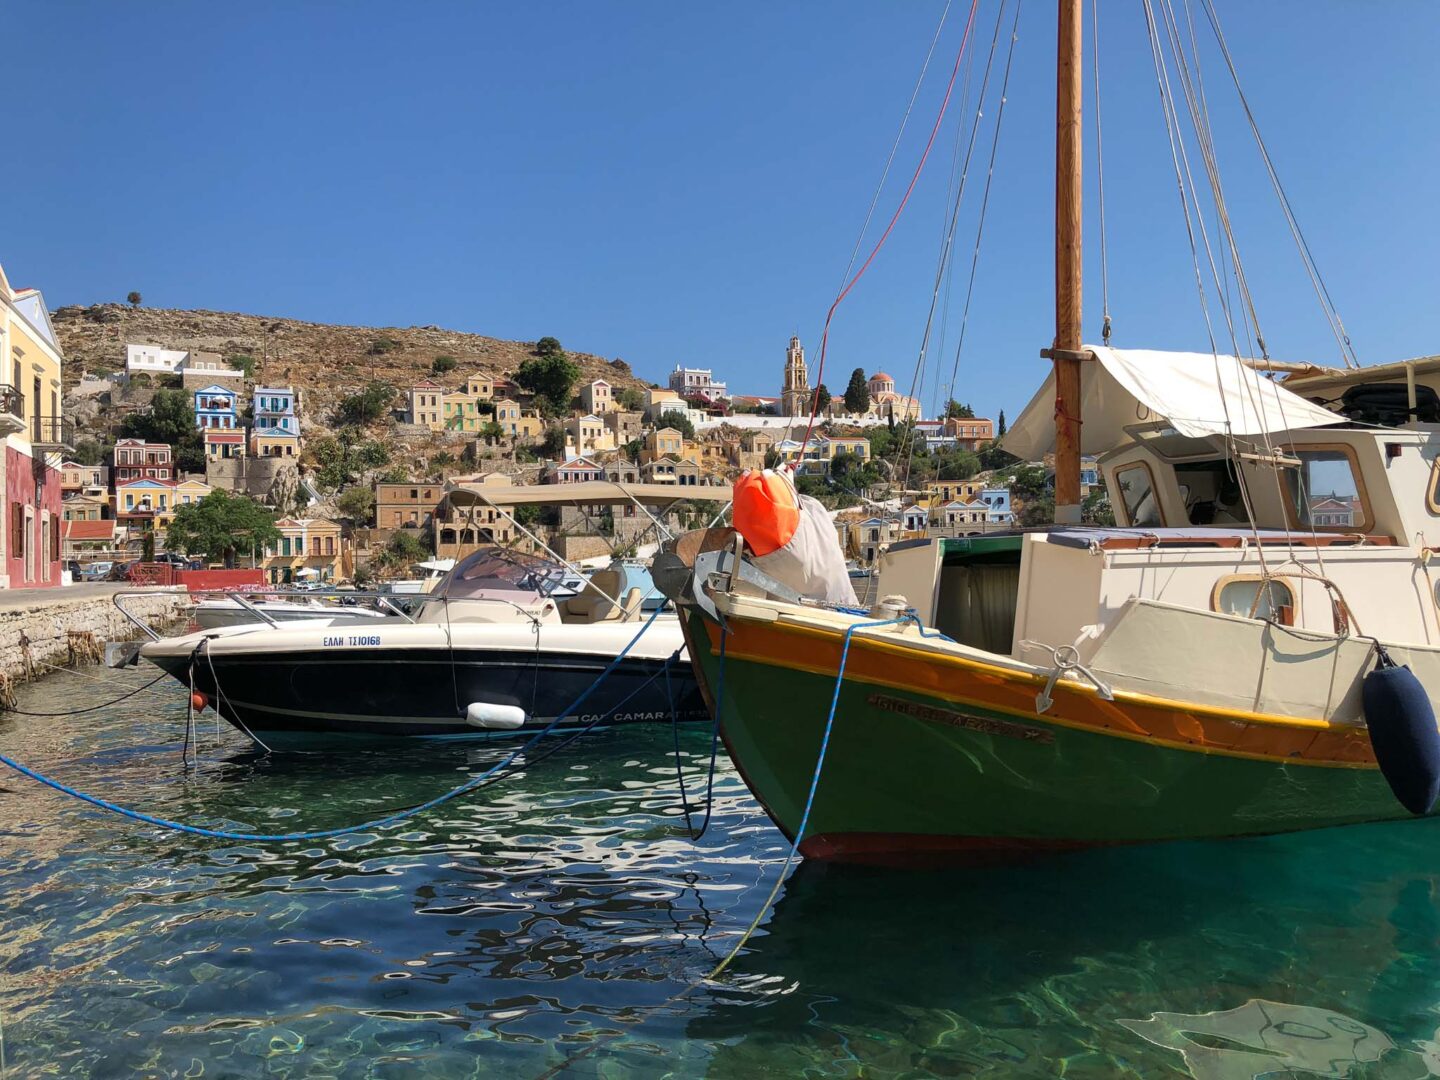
(54, 541)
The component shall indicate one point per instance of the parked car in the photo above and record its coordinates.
(120, 571)
(96, 571)
(73, 566)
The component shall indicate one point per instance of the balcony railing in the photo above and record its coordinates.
(12, 410)
(52, 433)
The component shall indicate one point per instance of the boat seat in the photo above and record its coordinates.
(631, 604)
(593, 604)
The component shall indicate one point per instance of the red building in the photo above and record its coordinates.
(135, 459)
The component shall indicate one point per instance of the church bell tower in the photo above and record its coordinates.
(795, 393)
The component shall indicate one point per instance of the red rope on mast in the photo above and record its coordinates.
(930, 142)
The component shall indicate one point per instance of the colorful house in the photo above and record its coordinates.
(597, 397)
(35, 438)
(274, 408)
(516, 422)
(577, 471)
(221, 445)
(309, 549)
(135, 459)
(215, 409)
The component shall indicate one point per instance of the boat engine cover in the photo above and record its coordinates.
(1402, 731)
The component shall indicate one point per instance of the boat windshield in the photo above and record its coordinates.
(498, 570)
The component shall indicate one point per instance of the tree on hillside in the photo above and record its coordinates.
(369, 404)
(1000, 431)
(442, 364)
(630, 399)
(342, 457)
(220, 526)
(956, 411)
(680, 422)
(357, 503)
(551, 378)
(89, 452)
(133, 299)
(995, 456)
(857, 393)
(548, 346)
(171, 420)
(822, 398)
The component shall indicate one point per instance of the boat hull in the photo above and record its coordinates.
(929, 760)
(299, 685)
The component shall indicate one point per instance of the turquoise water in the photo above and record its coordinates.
(559, 923)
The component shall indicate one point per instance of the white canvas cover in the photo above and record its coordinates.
(1199, 394)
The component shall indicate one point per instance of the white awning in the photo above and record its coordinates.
(1197, 393)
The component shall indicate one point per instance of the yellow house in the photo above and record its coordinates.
(462, 412)
(480, 386)
(597, 397)
(662, 442)
(940, 493)
(588, 435)
(34, 435)
(85, 508)
(426, 407)
(274, 444)
(309, 549)
(516, 422)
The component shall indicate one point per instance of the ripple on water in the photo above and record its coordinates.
(564, 913)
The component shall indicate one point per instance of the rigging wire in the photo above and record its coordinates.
(894, 218)
(1100, 174)
(980, 221)
(946, 260)
(1317, 280)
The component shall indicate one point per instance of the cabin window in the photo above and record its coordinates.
(1211, 493)
(1137, 489)
(1256, 598)
(1325, 490)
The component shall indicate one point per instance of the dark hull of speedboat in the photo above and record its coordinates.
(383, 693)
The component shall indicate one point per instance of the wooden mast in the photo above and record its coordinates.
(1068, 266)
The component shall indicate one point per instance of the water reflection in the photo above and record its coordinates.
(560, 919)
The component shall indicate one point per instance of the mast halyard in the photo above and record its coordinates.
(1066, 352)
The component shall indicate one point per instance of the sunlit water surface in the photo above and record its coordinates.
(561, 924)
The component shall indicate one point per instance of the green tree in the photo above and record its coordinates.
(89, 452)
(994, 456)
(630, 398)
(822, 398)
(406, 547)
(957, 465)
(956, 411)
(171, 419)
(357, 503)
(242, 362)
(548, 346)
(369, 404)
(1039, 511)
(220, 526)
(441, 364)
(882, 442)
(679, 421)
(492, 432)
(1001, 429)
(857, 393)
(381, 345)
(551, 378)
(133, 299)
(1096, 508)
(553, 444)
(1027, 483)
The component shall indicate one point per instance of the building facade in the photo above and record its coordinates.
(35, 439)
(403, 505)
(135, 459)
(215, 409)
(309, 549)
(597, 397)
(698, 383)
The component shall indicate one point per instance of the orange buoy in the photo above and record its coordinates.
(766, 511)
(198, 701)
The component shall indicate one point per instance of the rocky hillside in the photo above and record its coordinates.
(324, 362)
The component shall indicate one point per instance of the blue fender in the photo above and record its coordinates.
(1403, 733)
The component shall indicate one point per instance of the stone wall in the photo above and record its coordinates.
(37, 633)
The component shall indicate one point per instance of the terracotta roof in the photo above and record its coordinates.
(87, 530)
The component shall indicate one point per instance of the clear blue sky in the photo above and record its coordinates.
(683, 183)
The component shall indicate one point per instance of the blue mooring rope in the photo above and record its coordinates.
(321, 834)
(814, 783)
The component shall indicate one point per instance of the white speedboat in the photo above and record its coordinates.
(490, 648)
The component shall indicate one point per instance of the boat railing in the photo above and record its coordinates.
(246, 595)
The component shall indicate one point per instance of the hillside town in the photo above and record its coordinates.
(196, 458)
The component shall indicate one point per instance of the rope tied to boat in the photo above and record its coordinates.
(379, 823)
